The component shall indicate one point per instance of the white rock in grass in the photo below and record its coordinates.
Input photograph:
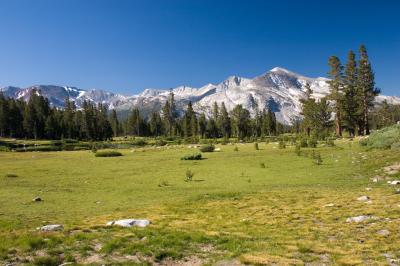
(363, 198)
(329, 205)
(394, 182)
(368, 189)
(51, 227)
(360, 219)
(217, 149)
(383, 232)
(129, 223)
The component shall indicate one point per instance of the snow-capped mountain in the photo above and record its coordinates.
(278, 89)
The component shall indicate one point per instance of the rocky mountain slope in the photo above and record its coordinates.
(278, 89)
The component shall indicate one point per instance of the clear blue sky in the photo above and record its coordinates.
(126, 46)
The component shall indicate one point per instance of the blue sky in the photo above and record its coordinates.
(126, 46)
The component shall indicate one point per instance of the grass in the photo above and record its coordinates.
(233, 208)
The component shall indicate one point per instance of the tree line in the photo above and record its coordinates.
(36, 119)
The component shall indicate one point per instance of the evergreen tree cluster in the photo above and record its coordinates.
(351, 98)
(221, 123)
(36, 119)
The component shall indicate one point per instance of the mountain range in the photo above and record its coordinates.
(278, 89)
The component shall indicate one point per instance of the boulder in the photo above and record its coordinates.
(394, 182)
(129, 223)
(360, 219)
(217, 149)
(363, 198)
(37, 199)
(51, 227)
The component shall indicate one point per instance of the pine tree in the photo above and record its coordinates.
(202, 125)
(4, 115)
(224, 122)
(271, 122)
(156, 124)
(240, 120)
(187, 121)
(308, 110)
(366, 85)
(336, 87)
(114, 123)
(351, 108)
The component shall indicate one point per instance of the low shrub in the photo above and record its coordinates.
(39, 148)
(139, 142)
(317, 158)
(194, 156)
(312, 143)
(256, 146)
(330, 142)
(303, 143)
(161, 142)
(383, 138)
(297, 150)
(236, 148)
(107, 154)
(395, 146)
(207, 148)
(282, 145)
(189, 175)
(262, 165)
(10, 175)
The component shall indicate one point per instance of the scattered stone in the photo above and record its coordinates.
(394, 182)
(329, 205)
(383, 232)
(217, 149)
(359, 219)
(368, 189)
(37, 199)
(129, 223)
(51, 227)
(363, 198)
(377, 178)
(392, 169)
(397, 191)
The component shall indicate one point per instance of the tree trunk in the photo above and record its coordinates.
(366, 124)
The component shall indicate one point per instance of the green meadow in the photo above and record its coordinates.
(242, 206)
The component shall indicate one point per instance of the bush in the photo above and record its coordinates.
(189, 175)
(312, 143)
(282, 145)
(39, 148)
(383, 138)
(107, 154)
(139, 142)
(207, 148)
(256, 146)
(236, 148)
(195, 156)
(330, 142)
(10, 175)
(262, 165)
(395, 146)
(317, 158)
(297, 150)
(303, 143)
(161, 142)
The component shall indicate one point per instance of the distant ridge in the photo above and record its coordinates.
(278, 89)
